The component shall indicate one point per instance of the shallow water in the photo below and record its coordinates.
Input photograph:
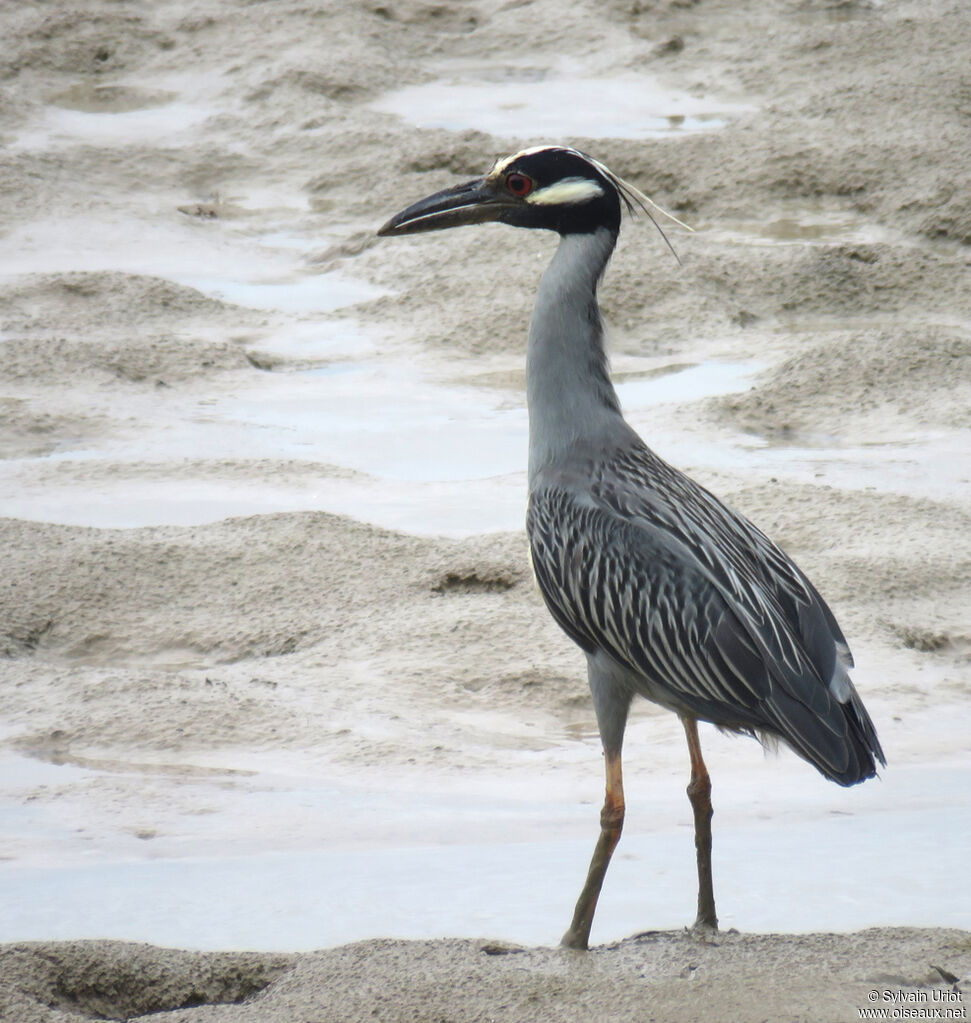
(169, 110)
(792, 853)
(417, 452)
(395, 420)
(389, 416)
(560, 102)
(803, 223)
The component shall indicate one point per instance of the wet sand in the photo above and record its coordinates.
(264, 605)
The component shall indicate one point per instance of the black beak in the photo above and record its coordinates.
(476, 202)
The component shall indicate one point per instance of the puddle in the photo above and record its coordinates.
(168, 124)
(255, 270)
(164, 112)
(934, 466)
(692, 383)
(317, 293)
(110, 99)
(386, 419)
(421, 456)
(801, 224)
(545, 103)
(22, 774)
(418, 454)
(478, 859)
(321, 341)
(174, 246)
(425, 457)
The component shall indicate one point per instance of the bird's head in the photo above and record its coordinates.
(551, 187)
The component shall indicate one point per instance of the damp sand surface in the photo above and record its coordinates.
(275, 675)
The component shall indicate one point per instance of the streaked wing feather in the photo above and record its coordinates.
(756, 575)
(652, 569)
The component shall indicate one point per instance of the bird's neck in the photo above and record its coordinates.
(573, 406)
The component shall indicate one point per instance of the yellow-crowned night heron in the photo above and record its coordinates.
(670, 594)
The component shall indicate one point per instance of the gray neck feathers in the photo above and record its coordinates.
(573, 407)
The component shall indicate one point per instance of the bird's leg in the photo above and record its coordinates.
(699, 792)
(611, 824)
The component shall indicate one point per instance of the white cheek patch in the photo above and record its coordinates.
(568, 192)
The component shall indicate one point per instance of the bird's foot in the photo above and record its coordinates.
(575, 940)
(707, 918)
(704, 927)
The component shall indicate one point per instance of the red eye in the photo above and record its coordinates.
(519, 185)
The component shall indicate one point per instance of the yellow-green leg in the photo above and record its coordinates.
(611, 825)
(699, 793)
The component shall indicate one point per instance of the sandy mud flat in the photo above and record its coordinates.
(285, 732)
